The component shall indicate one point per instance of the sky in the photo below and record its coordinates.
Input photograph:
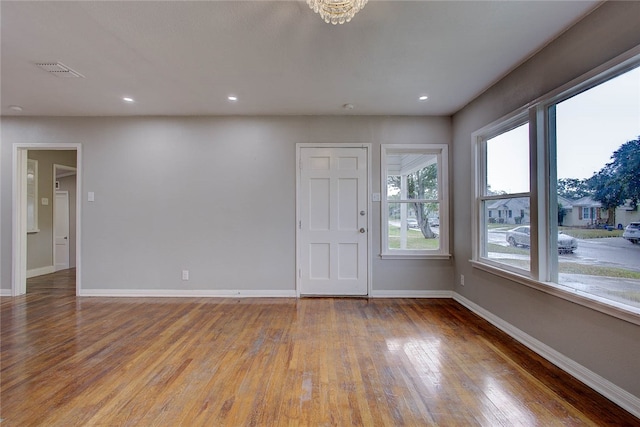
(590, 127)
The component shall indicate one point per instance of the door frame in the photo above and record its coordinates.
(19, 212)
(367, 147)
(70, 171)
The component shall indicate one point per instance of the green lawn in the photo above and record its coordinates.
(590, 233)
(415, 239)
(597, 270)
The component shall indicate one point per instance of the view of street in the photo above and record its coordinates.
(610, 251)
(607, 252)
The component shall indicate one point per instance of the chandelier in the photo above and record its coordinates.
(336, 11)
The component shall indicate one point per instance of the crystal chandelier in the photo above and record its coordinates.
(336, 11)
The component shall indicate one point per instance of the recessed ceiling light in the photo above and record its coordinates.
(15, 108)
(127, 99)
(232, 98)
(423, 98)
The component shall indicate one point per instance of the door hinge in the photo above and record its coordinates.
(300, 164)
(300, 273)
(300, 224)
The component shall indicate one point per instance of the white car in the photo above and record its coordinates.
(632, 232)
(520, 236)
(412, 223)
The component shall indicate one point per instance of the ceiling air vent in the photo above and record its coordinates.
(58, 69)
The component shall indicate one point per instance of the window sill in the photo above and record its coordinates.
(611, 308)
(414, 256)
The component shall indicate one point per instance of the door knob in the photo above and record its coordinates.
(362, 230)
(362, 213)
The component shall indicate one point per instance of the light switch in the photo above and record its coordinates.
(91, 196)
(45, 201)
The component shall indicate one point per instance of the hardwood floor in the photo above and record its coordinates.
(68, 361)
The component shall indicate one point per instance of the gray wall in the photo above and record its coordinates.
(40, 244)
(215, 196)
(605, 345)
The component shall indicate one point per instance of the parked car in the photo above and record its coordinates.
(632, 232)
(434, 222)
(412, 223)
(521, 236)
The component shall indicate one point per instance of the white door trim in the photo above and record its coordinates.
(19, 213)
(367, 146)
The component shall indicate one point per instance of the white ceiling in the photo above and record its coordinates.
(278, 57)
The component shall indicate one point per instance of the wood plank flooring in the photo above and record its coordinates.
(68, 361)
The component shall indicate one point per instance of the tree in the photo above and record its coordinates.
(574, 188)
(423, 184)
(619, 180)
(490, 192)
(562, 212)
(626, 162)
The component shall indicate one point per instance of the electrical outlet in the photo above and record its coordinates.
(462, 279)
(185, 274)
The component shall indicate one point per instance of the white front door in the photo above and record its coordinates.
(333, 219)
(61, 230)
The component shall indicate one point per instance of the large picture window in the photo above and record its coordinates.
(415, 201)
(594, 140)
(557, 189)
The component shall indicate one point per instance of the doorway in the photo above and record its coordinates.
(20, 209)
(333, 220)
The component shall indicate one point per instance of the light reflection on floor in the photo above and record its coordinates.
(424, 355)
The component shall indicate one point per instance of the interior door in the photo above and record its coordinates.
(333, 218)
(61, 230)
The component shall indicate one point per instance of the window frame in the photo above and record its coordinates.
(479, 176)
(544, 264)
(441, 151)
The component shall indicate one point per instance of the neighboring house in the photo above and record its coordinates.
(509, 211)
(626, 214)
(584, 212)
(587, 212)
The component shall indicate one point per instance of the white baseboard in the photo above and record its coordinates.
(40, 271)
(410, 294)
(5, 292)
(241, 293)
(208, 293)
(619, 396)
